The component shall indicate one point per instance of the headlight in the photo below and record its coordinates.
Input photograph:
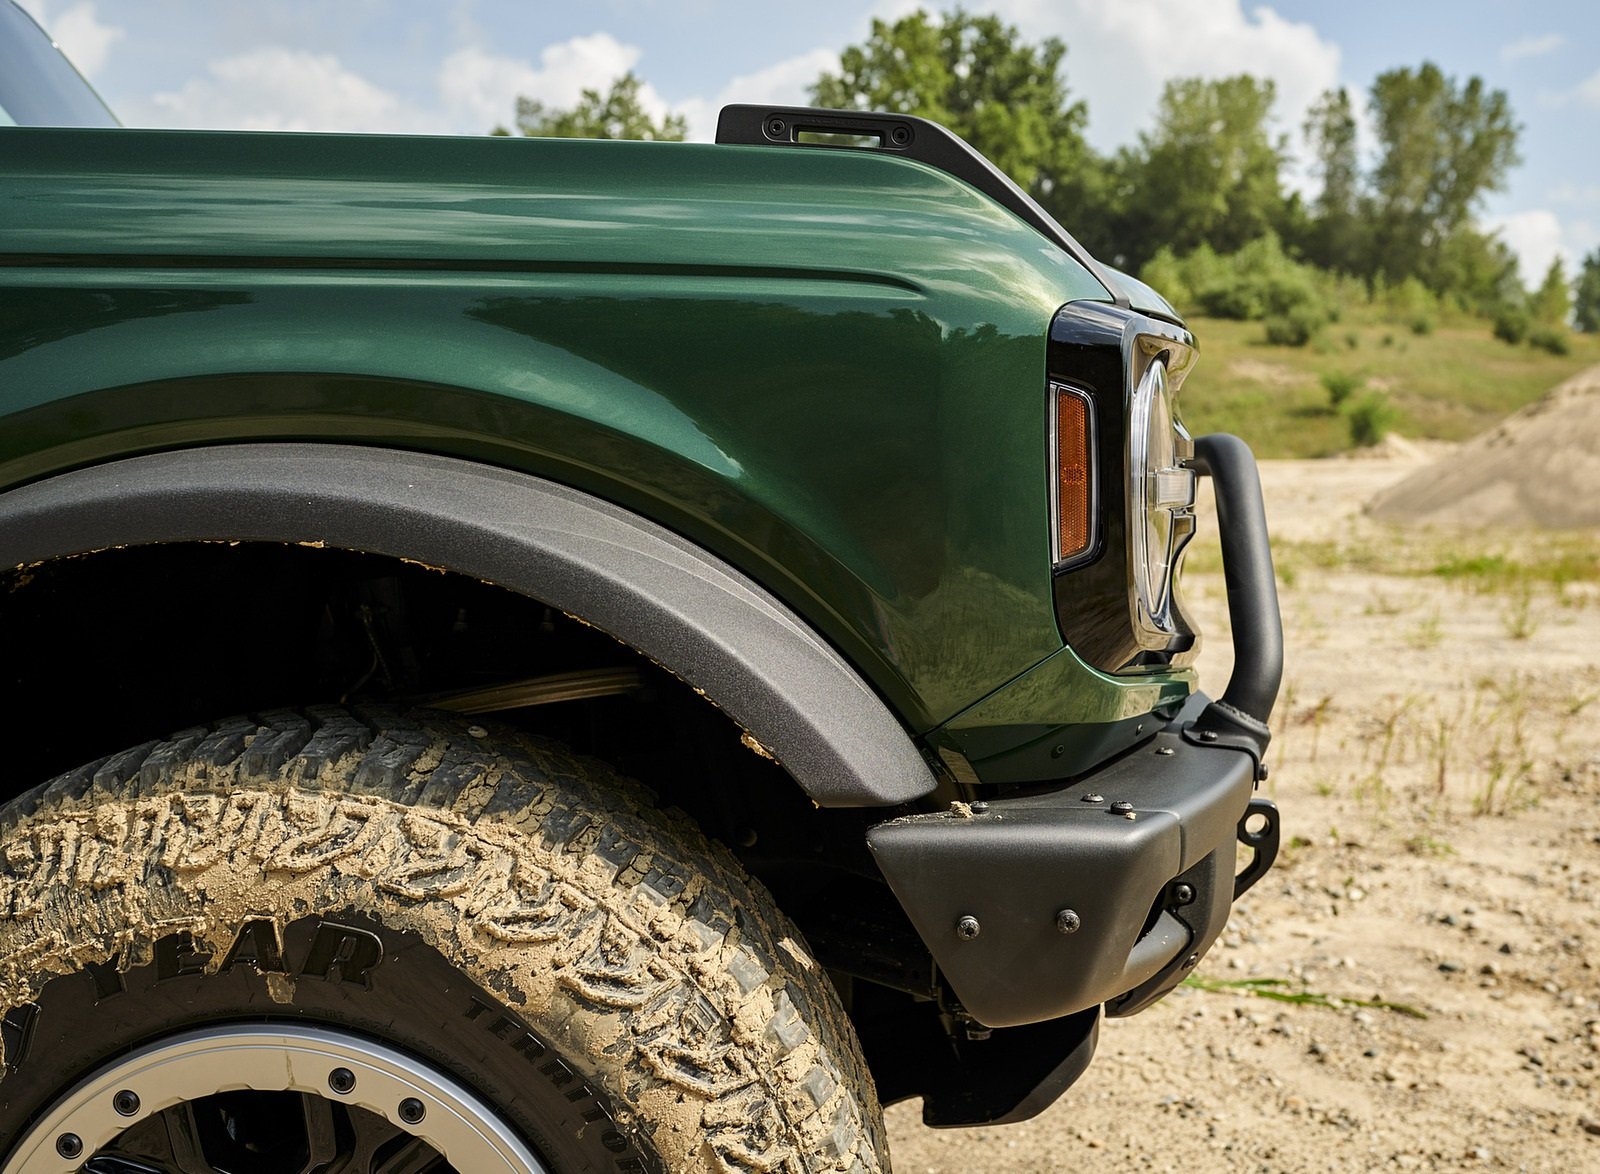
(1160, 503)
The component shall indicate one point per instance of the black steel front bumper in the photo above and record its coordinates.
(1107, 889)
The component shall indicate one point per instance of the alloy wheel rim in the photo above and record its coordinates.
(340, 1076)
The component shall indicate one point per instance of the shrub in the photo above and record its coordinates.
(1352, 339)
(1550, 338)
(1511, 324)
(1422, 324)
(1408, 301)
(1340, 385)
(1370, 419)
(1294, 327)
(1257, 282)
(1164, 273)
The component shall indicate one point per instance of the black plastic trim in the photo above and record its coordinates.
(913, 138)
(677, 604)
(1107, 847)
(1014, 1074)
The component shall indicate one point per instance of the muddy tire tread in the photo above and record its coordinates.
(542, 862)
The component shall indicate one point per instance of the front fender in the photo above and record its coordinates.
(677, 604)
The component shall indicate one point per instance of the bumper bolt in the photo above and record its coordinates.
(1183, 895)
(1165, 750)
(1093, 798)
(979, 807)
(1190, 961)
(1068, 921)
(69, 1146)
(411, 1111)
(1208, 735)
(968, 928)
(341, 1080)
(1121, 807)
(126, 1102)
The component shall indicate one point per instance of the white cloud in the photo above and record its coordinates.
(1572, 193)
(1534, 46)
(273, 88)
(77, 29)
(783, 84)
(1536, 237)
(480, 89)
(1585, 93)
(1588, 91)
(1120, 54)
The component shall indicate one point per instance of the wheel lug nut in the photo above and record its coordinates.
(341, 1080)
(69, 1145)
(126, 1102)
(412, 1110)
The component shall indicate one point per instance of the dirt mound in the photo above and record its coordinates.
(1539, 467)
(1394, 447)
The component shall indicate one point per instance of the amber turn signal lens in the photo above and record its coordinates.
(1074, 471)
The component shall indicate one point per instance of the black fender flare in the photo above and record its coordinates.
(676, 603)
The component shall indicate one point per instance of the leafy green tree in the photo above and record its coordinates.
(975, 75)
(1337, 237)
(1476, 272)
(1586, 299)
(1444, 146)
(616, 114)
(1552, 301)
(1208, 172)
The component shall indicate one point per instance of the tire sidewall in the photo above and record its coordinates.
(341, 970)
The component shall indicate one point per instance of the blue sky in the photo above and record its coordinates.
(455, 66)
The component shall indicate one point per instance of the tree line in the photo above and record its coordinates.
(1199, 204)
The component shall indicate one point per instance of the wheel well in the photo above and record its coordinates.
(662, 594)
(110, 649)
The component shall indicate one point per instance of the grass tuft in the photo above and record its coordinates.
(1281, 990)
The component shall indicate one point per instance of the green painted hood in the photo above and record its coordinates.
(549, 203)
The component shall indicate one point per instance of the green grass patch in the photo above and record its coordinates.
(1451, 383)
(1557, 561)
(1281, 990)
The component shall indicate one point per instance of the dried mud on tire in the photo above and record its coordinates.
(664, 976)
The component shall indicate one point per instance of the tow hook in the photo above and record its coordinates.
(1258, 831)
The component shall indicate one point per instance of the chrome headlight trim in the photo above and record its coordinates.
(1161, 494)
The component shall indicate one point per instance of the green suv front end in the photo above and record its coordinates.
(832, 492)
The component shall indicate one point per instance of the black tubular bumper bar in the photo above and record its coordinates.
(1109, 888)
(1247, 702)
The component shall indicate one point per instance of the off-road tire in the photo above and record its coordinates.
(676, 1016)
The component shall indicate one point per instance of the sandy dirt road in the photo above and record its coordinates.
(1437, 762)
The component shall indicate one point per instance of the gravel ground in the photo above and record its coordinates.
(1437, 765)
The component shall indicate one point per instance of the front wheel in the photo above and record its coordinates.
(382, 944)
